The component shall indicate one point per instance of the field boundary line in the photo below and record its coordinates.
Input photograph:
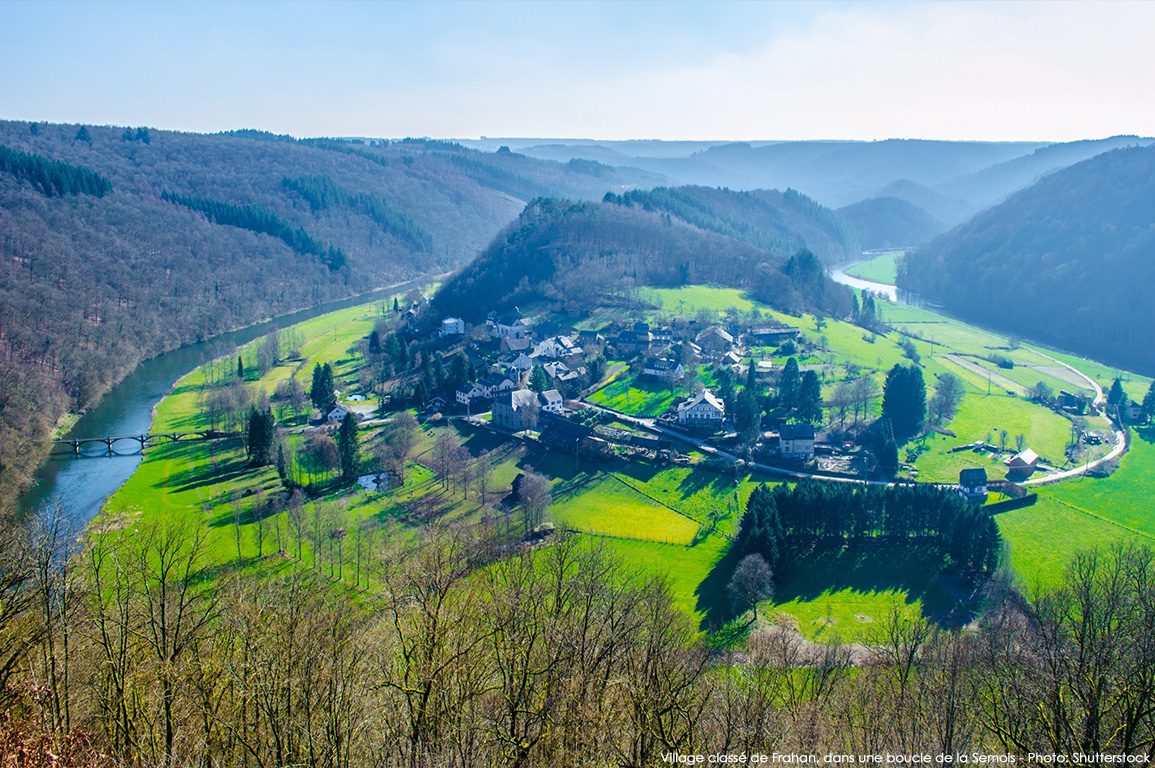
(1115, 523)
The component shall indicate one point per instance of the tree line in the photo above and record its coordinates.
(782, 518)
(452, 652)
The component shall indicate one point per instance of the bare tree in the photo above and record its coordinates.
(535, 496)
(751, 583)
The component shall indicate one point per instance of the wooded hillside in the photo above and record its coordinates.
(1069, 260)
(117, 244)
(577, 254)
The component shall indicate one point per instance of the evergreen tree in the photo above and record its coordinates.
(788, 385)
(282, 464)
(83, 135)
(538, 380)
(374, 343)
(747, 417)
(1149, 402)
(240, 368)
(1116, 396)
(810, 398)
(322, 392)
(752, 380)
(259, 439)
(396, 306)
(458, 370)
(348, 448)
(904, 401)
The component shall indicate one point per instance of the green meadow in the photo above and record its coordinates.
(880, 269)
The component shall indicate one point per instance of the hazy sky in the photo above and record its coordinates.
(610, 70)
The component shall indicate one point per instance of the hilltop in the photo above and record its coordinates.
(579, 254)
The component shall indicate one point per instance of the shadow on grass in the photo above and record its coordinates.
(206, 475)
(1146, 434)
(711, 593)
(875, 567)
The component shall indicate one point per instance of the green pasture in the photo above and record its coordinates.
(606, 506)
(880, 269)
(836, 592)
(689, 299)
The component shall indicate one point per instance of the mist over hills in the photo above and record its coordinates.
(1070, 260)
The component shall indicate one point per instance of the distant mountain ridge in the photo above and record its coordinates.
(1069, 260)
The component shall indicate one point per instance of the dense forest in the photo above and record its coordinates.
(117, 243)
(577, 254)
(1066, 261)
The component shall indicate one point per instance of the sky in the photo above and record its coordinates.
(1054, 71)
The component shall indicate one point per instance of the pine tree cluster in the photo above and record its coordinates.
(53, 177)
(264, 221)
(780, 516)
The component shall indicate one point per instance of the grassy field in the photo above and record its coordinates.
(687, 300)
(608, 507)
(840, 593)
(639, 396)
(880, 269)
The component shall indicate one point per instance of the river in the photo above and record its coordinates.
(82, 483)
(838, 275)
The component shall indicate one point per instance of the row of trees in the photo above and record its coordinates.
(561, 656)
(264, 221)
(780, 517)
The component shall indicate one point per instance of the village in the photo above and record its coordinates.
(552, 383)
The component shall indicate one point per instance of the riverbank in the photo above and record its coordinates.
(82, 483)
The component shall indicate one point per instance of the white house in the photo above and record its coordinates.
(550, 401)
(664, 369)
(702, 410)
(557, 348)
(521, 363)
(338, 414)
(492, 386)
(796, 441)
(510, 327)
(468, 391)
(452, 326)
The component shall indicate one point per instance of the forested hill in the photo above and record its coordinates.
(1070, 260)
(117, 243)
(779, 222)
(889, 222)
(579, 254)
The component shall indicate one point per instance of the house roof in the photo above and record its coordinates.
(717, 332)
(796, 432)
(467, 387)
(662, 365)
(705, 396)
(495, 378)
(559, 431)
(517, 398)
(549, 396)
(972, 477)
(1026, 457)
